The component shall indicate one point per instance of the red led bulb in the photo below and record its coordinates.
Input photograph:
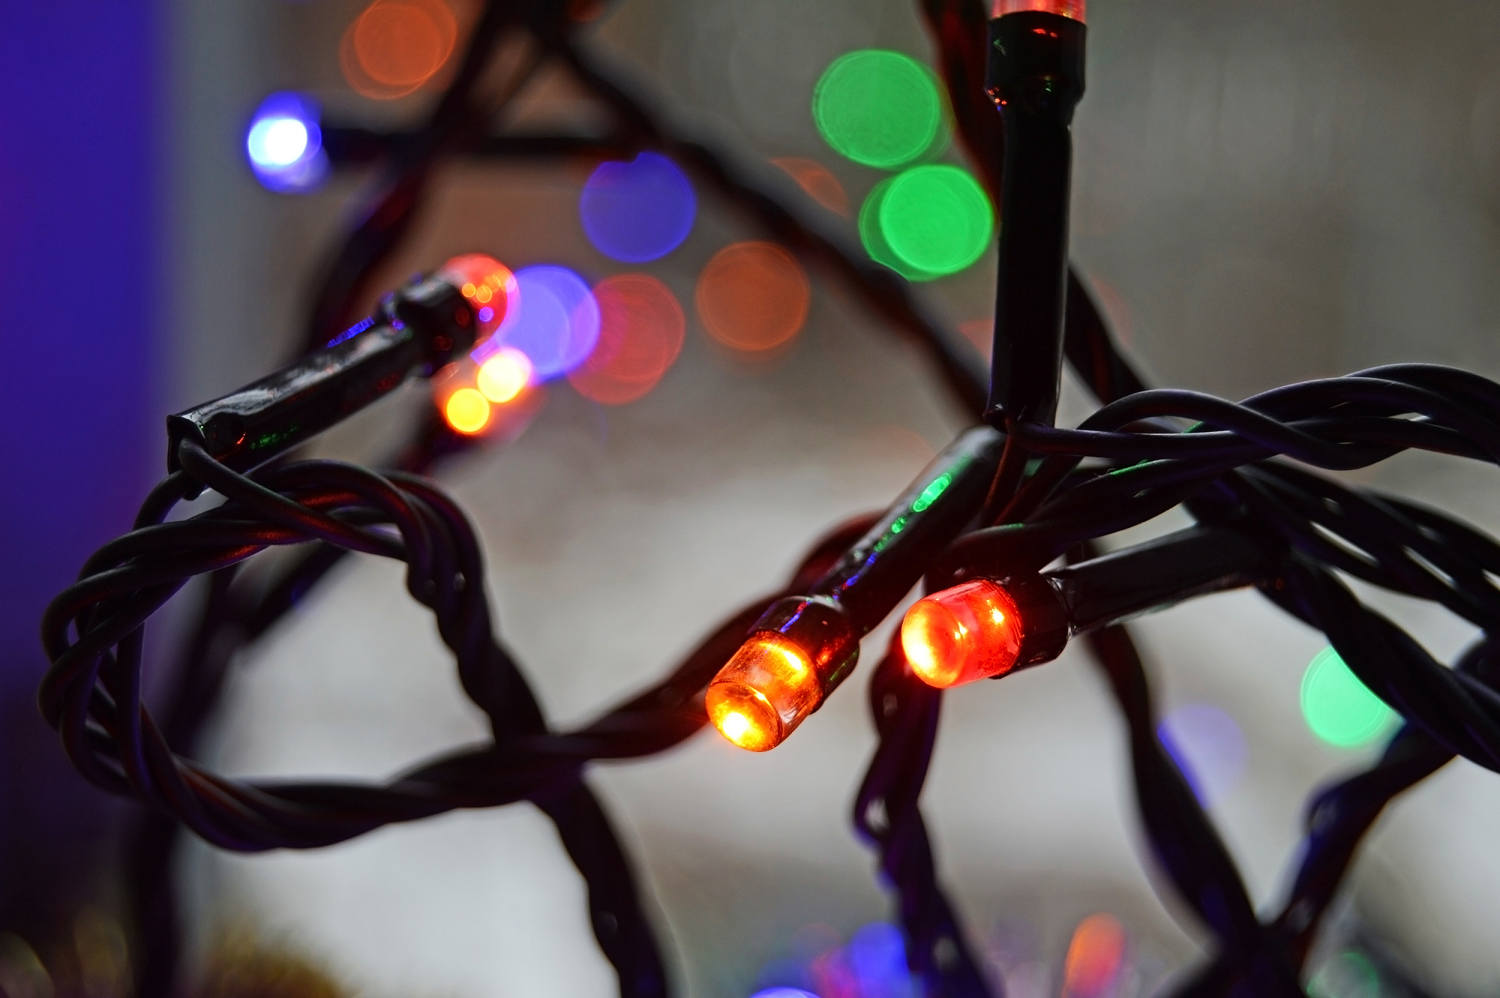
(487, 285)
(1067, 8)
(971, 631)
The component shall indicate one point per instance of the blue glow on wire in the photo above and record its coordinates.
(285, 145)
(352, 331)
(638, 210)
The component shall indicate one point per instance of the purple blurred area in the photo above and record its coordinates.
(81, 242)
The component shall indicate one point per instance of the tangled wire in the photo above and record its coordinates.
(1143, 453)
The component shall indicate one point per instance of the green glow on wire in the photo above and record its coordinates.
(935, 488)
(1337, 706)
(878, 107)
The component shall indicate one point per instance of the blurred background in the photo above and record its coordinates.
(1262, 194)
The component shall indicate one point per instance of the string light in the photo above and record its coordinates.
(487, 285)
(467, 411)
(1066, 8)
(504, 375)
(1207, 745)
(1339, 708)
(285, 145)
(877, 107)
(394, 47)
(1096, 955)
(641, 331)
(763, 693)
(553, 320)
(971, 631)
(927, 222)
(799, 650)
(752, 296)
(637, 210)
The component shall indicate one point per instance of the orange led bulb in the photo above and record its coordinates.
(763, 692)
(799, 650)
(970, 631)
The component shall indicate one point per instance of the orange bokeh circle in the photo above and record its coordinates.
(395, 46)
(753, 296)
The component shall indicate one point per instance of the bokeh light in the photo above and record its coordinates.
(467, 411)
(752, 296)
(395, 46)
(1207, 746)
(638, 210)
(641, 330)
(876, 956)
(553, 319)
(927, 222)
(878, 107)
(504, 375)
(285, 145)
(1096, 955)
(1067, 8)
(487, 285)
(783, 993)
(1349, 974)
(816, 181)
(1339, 708)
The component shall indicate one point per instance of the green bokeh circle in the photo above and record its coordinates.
(934, 219)
(878, 107)
(1337, 706)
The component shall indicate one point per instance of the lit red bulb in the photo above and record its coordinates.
(1067, 8)
(970, 631)
(487, 285)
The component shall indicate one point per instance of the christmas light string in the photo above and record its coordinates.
(1142, 454)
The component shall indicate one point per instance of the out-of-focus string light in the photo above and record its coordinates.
(641, 331)
(467, 410)
(285, 145)
(1339, 708)
(968, 632)
(1207, 746)
(752, 296)
(878, 107)
(927, 222)
(637, 210)
(488, 286)
(1349, 974)
(1067, 8)
(395, 46)
(554, 321)
(1096, 956)
(504, 375)
(816, 181)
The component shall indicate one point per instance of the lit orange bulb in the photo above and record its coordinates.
(763, 692)
(971, 631)
(504, 376)
(467, 411)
